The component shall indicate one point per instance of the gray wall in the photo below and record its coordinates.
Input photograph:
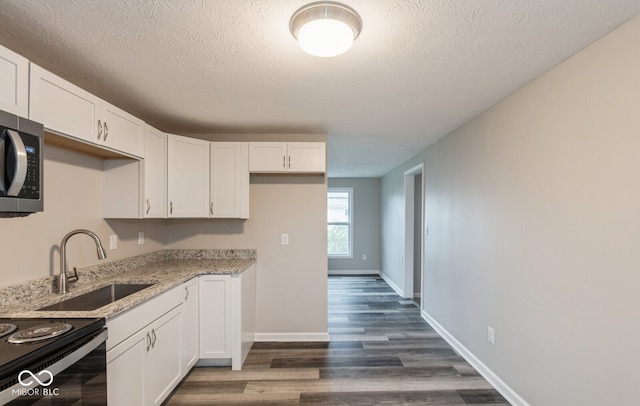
(366, 225)
(533, 215)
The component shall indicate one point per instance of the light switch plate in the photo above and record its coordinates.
(113, 242)
(285, 239)
(140, 238)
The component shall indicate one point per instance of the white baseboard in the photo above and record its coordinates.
(353, 272)
(484, 370)
(393, 285)
(290, 337)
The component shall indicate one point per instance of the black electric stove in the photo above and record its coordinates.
(25, 343)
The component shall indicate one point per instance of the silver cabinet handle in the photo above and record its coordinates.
(186, 292)
(21, 163)
(99, 129)
(170, 207)
(106, 131)
(148, 206)
(289, 160)
(148, 342)
(211, 209)
(284, 162)
(153, 333)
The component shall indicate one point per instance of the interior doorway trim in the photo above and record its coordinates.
(409, 221)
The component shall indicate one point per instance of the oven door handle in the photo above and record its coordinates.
(7, 395)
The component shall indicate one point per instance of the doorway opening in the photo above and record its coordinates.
(414, 226)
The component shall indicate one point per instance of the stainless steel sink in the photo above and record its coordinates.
(97, 298)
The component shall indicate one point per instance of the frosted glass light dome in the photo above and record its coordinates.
(325, 29)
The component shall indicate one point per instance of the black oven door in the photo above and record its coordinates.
(76, 377)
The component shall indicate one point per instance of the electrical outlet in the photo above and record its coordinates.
(364, 257)
(491, 335)
(285, 239)
(140, 238)
(113, 242)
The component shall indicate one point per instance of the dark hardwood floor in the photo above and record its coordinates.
(381, 353)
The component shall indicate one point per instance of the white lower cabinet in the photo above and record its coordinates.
(208, 320)
(164, 360)
(227, 318)
(144, 351)
(126, 372)
(190, 325)
(215, 317)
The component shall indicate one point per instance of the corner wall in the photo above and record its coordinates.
(533, 213)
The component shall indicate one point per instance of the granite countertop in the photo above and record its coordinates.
(164, 269)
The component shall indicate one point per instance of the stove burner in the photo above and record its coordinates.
(39, 333)
(6, 328)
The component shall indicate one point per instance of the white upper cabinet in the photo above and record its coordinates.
(187, 177)
(120, 130)
(14, 83)
(155, 174)
(66, 109)
(267, 157)
(137, 189)
(229, 187)
(306, 157)
(61, 106)
(292, 157)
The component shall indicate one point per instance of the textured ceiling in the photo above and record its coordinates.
(419, 69)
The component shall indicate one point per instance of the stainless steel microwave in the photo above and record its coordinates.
(20, 166)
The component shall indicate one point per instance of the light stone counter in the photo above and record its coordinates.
(164, 269)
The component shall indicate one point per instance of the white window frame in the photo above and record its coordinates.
(348, 190)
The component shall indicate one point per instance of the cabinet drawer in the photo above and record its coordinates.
(126, 324)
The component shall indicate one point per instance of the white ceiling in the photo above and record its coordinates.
(419, 69)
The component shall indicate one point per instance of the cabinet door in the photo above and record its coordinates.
(229, 175)
(120, 130)
(190, 325)
(155, 173)
(188, 177)
(306, 157)
(14, 83)
(163, 364)
(215, 316)
(126, 371)
(267, 157)
(61, 106)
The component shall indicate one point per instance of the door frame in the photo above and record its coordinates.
(409, 210)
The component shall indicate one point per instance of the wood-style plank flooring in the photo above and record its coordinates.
(381, 353)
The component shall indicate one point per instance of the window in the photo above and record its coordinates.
(339, 222)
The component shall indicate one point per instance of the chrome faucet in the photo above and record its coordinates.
(62, 279)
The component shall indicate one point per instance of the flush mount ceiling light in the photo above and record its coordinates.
(325, 28)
